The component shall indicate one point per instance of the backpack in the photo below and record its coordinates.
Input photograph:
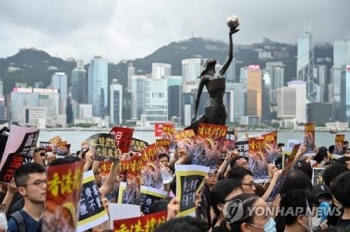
(18, 217)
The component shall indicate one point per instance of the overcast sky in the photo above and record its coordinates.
(129, 29)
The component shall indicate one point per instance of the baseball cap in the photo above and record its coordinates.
(321, 189)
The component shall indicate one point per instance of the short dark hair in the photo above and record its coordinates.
(297, 199)
(306, 168)
(161, 155)
(187, 223)
(248, 200)
(332, 172)
(331, 149)
(21, 175)
(320, 155)
(238, 173)
(296, 180)
(234, 160)
(159, 206)
(221, 190)
(342, 160)
(280, 145)
(341, 189)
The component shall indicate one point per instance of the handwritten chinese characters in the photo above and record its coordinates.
(104, 146)
(208, 130)
(146, 223)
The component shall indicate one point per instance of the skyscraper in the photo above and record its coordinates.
(305, 66)
(98, 86)
(137, 96)
(300, 100)
(116, 103)
(160, 70)
(79, 84)
(254, 91)
(286, 104)
(191, 70)
(59, 81)
(131, 72)
(341, 56)
(156, 100)
(174, 84)
(239, 100)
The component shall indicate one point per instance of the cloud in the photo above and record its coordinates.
(128, 29)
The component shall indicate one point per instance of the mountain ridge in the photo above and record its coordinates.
(32, 65)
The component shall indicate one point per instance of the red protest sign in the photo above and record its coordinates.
(123, 137)
(145, 223)
(12, 163)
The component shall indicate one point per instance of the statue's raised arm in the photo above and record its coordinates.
(215, 110)
(230, 53)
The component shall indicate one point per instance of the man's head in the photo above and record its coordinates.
(345, 160)
(239, 161)
(245, 177)
(30, 180)
(302, 202)
(163, 159)
(341, 189)
(332, 172)
(224, 191)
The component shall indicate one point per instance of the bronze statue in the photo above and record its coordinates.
(215, 111)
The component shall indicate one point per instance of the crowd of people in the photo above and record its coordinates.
(229, 200)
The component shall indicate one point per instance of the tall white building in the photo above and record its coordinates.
(191, 70)
(59, 81)
(321, 77)
(286, 103)
(85, 111)
(156, 101)
(305, 66)
(98, 86)
(300, 87)
(131, 72)
(160, 70)
(116, 103)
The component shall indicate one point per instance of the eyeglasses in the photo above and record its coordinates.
(38, 183)
(248, 184)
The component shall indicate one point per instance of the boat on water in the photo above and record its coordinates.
(333, 131)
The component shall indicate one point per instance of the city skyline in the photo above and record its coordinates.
(110, 29)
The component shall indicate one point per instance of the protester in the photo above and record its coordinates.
(30, 180)
(251, 218)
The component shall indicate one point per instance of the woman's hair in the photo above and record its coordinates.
(220, 191)
(242, 203)
(208, 63)
(296, 180)
(320, 155)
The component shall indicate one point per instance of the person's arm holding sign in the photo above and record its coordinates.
(109, 184)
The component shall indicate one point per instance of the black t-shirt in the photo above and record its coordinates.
(345, 224)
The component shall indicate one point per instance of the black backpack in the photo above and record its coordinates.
(21, 224)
